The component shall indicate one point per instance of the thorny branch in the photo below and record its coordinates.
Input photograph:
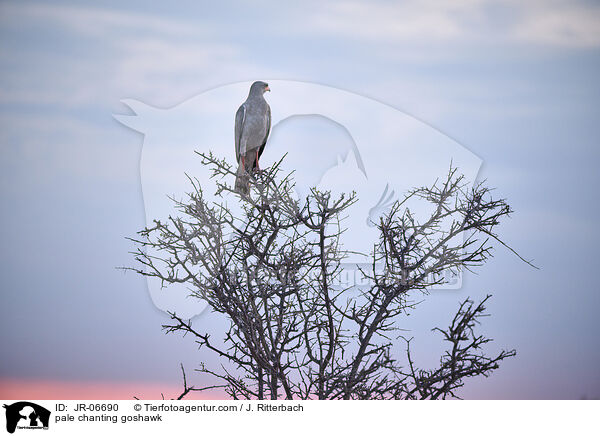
(271, 269)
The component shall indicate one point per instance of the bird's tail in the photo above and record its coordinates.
(242, 181)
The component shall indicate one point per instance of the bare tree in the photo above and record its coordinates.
(271, 271)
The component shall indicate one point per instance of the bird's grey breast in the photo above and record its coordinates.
(255, 122)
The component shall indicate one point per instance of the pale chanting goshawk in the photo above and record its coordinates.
(252, 125)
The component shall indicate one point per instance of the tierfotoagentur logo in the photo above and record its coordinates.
(332, 139)
(25, 415)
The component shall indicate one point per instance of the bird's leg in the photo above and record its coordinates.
(257, 167)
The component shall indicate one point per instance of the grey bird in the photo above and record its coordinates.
(252, 126)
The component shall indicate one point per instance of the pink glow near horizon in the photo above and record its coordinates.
(31, 389)
(14, 389)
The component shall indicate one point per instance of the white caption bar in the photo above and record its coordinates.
(299, 417)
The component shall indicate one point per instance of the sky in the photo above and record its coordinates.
(515, 83)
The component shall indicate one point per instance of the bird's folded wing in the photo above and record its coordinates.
(264, 142)
(240, 117)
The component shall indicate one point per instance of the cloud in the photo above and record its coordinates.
(560, 24)
(168, 72)
(93, 21)
(99, 54)
(79, 55)
(555, 23)
(389, 22)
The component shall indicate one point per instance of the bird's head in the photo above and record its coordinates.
(259, 88)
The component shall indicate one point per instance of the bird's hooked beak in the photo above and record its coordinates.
(267, 88)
